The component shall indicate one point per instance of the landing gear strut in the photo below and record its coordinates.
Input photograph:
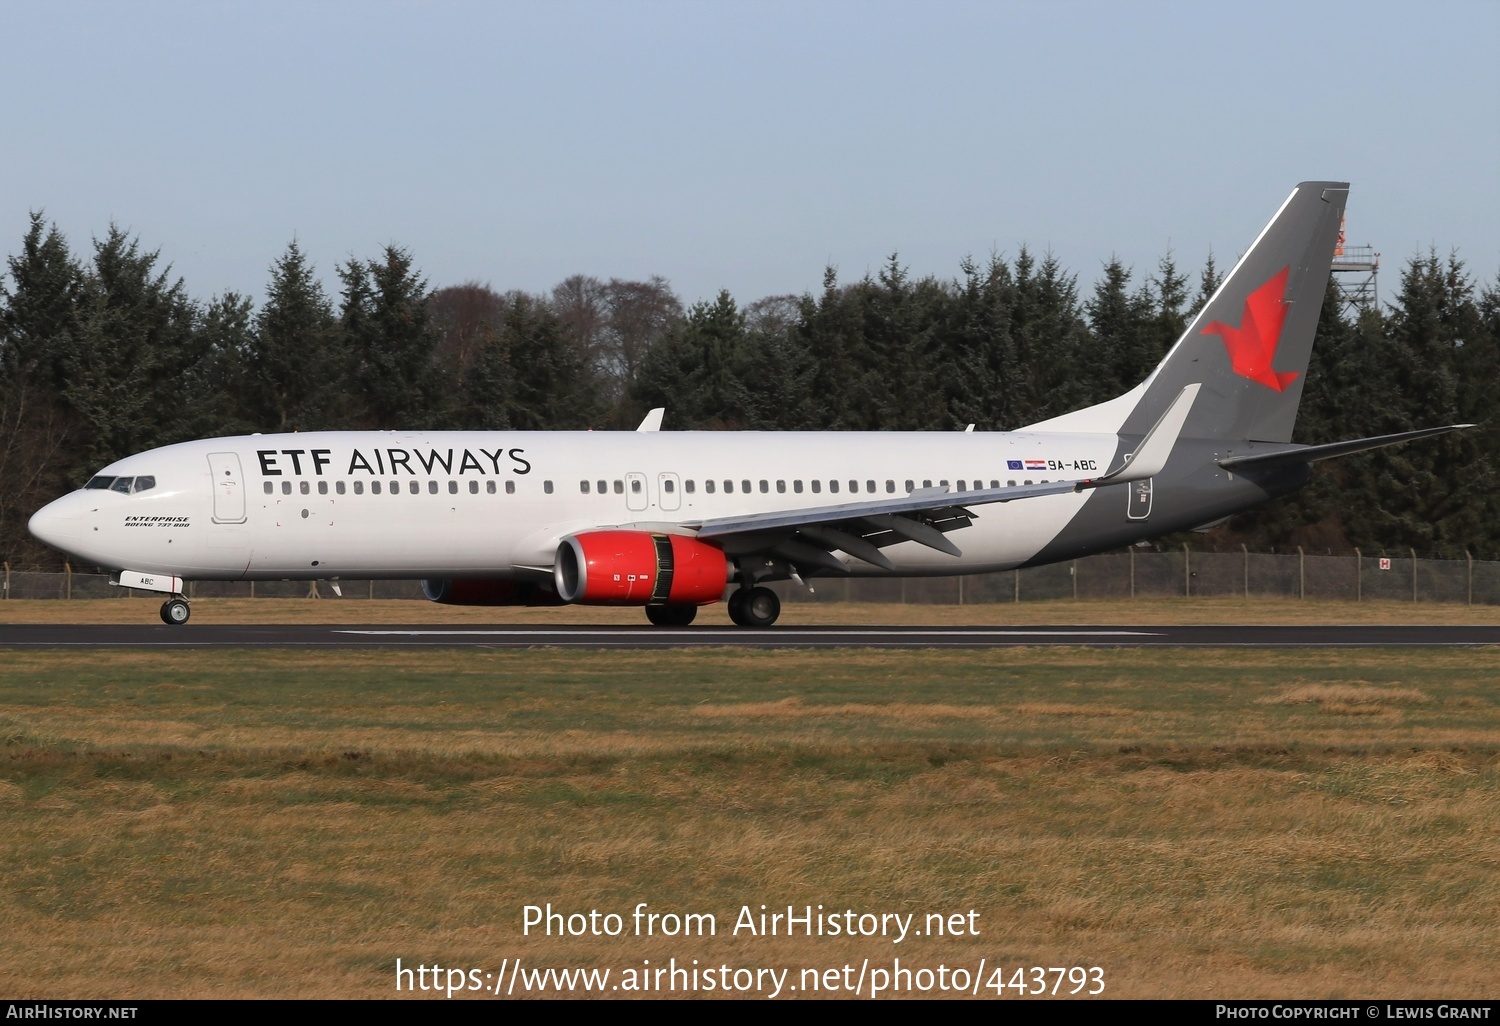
(754, 607)
(671, 616)
(175, 610)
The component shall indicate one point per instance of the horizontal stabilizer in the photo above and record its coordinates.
(1313, 453)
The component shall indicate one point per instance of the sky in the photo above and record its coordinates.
(742, 146)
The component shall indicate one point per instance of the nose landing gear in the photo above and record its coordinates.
(175, 610)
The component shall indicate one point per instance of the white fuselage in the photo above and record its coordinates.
(388, 504)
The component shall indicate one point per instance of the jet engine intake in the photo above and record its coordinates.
(639, 568)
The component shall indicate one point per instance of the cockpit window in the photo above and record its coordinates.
(123, 485)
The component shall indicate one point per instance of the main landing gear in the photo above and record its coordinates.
(754, 607)
(175, 610)
(671, 616)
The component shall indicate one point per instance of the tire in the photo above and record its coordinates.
(671, 616)
(175, 611)
(737, 607)
(759, 608)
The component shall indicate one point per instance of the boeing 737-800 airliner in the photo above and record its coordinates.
(672, 520)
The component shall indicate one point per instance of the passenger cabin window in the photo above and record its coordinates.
(374, 487)
(797, 486)
(286, 488)
(396, 487)
(322, 487)
(489, 487)
(926, 483)
(635, 487)
(510, 488)
(764, 486)
(687, 486)
(359, 488)
(890, 487)
(452, 487)
(431, 487)
(547, 487)
(833, 486)
(269, 488)
(745, 487)
(817, 487)
(413, 487)
(583, 486)
(853, 487)
(668, 486)
(338, 486)
(303, 487)
(473, 487)
(780, 486)
(870, 487)
(708, 486)
(728, 487)
(910, 486)
(603, 487)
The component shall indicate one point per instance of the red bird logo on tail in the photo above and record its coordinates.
(1252, 346)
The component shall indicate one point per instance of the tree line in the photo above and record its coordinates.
(106, 354)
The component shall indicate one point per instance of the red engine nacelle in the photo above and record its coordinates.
(637, 568)
(465, 592)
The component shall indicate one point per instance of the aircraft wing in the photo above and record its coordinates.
(807, 537)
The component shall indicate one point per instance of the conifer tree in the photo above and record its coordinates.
(293, 376)
(38, 317)
(392, 342)
(133, 342)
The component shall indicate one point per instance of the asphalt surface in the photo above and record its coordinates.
(627, 637)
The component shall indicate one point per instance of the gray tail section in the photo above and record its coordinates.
(1249, 346)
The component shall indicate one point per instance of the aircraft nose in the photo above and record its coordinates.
(52, 525)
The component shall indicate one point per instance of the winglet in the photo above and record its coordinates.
(653, 420)
(1151, 455)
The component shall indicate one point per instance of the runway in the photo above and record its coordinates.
(647, 637)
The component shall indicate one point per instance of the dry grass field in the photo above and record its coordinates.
(1214, 824)
(1137, 611)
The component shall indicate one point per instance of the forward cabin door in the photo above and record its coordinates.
(229, 488)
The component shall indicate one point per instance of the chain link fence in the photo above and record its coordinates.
(1116, 575)
(1187, 574)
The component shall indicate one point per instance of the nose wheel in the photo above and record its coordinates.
(175, 610)
(754, 607)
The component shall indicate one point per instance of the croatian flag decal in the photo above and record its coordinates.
(1036, 464)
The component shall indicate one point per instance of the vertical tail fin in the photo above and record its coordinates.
(1249, 346)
